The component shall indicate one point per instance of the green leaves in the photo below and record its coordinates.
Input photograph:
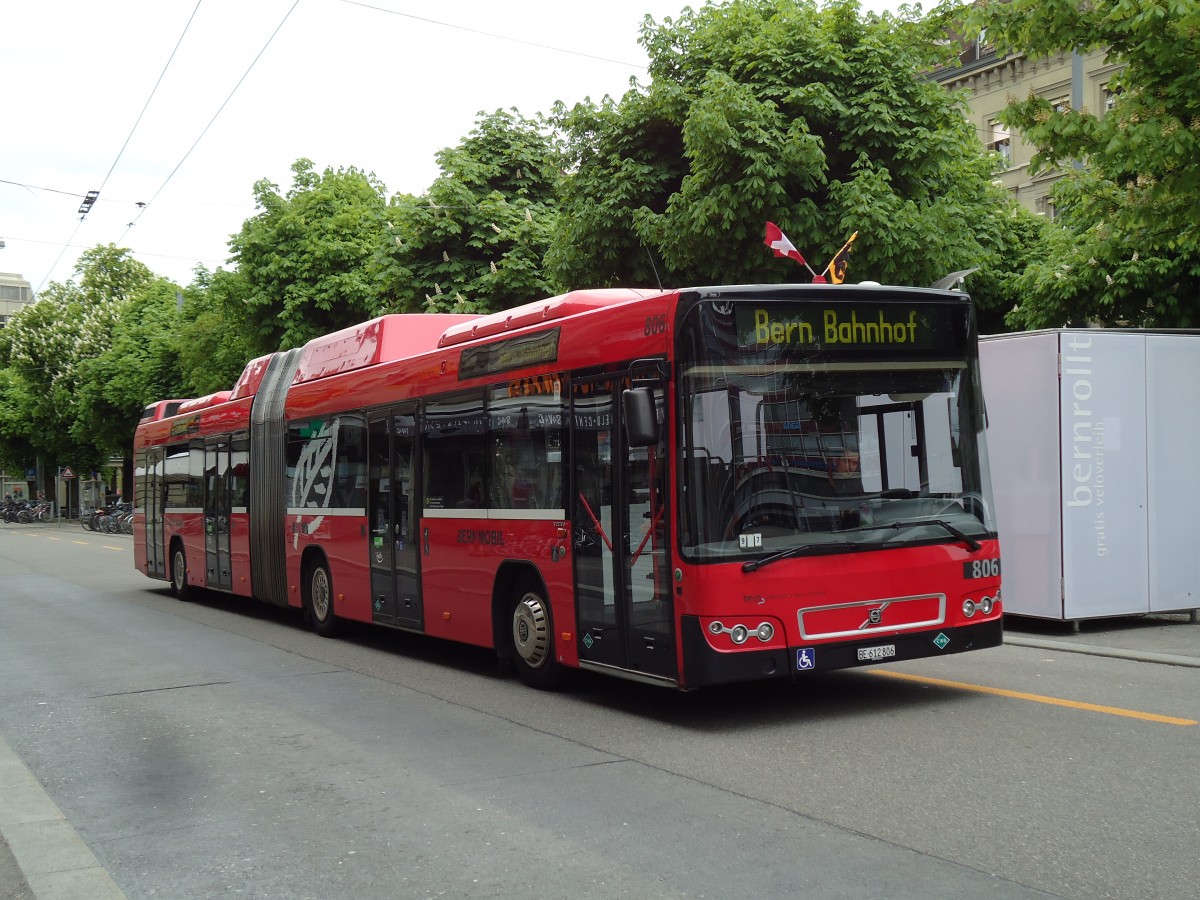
(1124, 249)
(306, 264)
(52, 389)
(474, 242)
(820, 120)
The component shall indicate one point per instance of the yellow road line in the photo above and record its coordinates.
(51, 538)
(106, 547)
(1038, 698)
(84, 543)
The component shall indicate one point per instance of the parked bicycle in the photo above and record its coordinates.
(114, 519)
(23, 512)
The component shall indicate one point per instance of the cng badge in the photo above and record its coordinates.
(941, 641)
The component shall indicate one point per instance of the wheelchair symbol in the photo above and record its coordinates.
(806, 659)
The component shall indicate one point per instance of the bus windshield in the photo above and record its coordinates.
(800, 433)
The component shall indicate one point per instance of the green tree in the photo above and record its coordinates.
(821, 120)
(475, 241)
(308, 263)
(213, 343)
(1125, 247)
(48, 349)
(139, 365)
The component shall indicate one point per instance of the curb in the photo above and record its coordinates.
(56, 863)
(1169, 659)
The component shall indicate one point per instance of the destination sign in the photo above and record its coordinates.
(851, 328)
(512, 353)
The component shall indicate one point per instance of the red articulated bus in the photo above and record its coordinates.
(681, 487)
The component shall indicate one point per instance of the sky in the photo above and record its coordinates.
(173, 109)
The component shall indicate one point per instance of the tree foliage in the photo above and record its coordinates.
(475, 241)
(213, 343)
(48, 402)
(1125, 248)
(821, 120)
(308, 263)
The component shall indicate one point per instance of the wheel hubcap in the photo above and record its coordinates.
(320, 595)
(531, 630)
(179, 572)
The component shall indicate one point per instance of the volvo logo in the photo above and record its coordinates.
(875, 616)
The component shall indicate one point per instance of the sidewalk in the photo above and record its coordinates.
(1170, 638)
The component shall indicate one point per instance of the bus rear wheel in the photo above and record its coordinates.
(179, 581)
(319, 600)
(532, 637)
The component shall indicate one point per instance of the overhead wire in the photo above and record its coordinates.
(152, 92)
(120, 152)
(492, 34)
(225, 103)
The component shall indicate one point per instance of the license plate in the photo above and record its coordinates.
(883, 651)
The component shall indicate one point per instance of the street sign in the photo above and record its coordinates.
(67, 473)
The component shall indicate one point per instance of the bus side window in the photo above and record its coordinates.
(350, 478)
(526, 436)
(455, 443)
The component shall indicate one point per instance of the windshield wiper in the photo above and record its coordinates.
(913, 523)
(799, 550)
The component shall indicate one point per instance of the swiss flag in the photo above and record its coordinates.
(780, 245)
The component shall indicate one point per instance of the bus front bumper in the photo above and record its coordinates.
(704, 665)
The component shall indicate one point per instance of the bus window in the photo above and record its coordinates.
(326, 463)
(526, 442)
(456, 457)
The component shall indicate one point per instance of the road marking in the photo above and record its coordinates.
(1039, 698)
(52, 538)
(106, 547)
(84, 543)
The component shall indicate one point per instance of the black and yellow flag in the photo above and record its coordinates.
(840, 262)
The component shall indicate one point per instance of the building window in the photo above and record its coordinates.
(1045, 207)
(1000, 141)
(3, 321)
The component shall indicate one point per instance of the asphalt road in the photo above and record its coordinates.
(212, 748)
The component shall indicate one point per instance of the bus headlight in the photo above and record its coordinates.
(985, 605)
(740, 634)
(968, 607)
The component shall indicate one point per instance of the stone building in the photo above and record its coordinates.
(14, 294)
(1068, 81)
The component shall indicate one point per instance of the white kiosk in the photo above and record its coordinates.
(1094, 445)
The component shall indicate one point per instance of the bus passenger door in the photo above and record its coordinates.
(216, 516)
(152, 509)
(392, 505)
(625, 615)
(647, 598)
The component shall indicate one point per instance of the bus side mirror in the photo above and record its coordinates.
(641, 418)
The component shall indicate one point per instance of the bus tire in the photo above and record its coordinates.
(179, 579)
(318, 599)
(531, 634)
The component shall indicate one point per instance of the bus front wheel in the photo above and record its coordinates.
(320, 600)
(532, 636)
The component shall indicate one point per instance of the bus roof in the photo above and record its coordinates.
(540, 311)
(379, 340)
